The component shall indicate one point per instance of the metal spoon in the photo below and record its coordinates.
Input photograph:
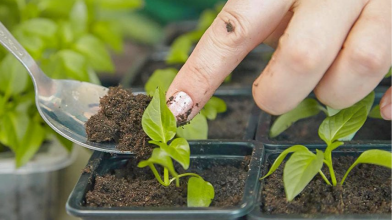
(65, 105)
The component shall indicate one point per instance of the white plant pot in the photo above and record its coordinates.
(31, 192)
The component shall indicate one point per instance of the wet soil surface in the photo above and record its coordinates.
(137, 187)
(367, 189)
(232, 124)
(307, 130)
(120, 119)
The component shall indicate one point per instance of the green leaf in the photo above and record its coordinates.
(161, 78)
(206, 18)
(67, 64)
(281, 157)
(120, 4)
(377, 157)
(160, 157)
(214, 106)
(158, 122)
(13, 76)
(109, 34)
(54, 8)
(200, 192)
(95, 52)
(141, 28)
(34, 45)
(300, 170)
(178, 150)
(43, 28)
(332, 111)
(179, 51)
(344, 123)
(197, 129)
(30, 143)
(307, 108)
(375, 112)
(66, 34)
(78, 17)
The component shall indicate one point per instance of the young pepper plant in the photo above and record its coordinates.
(160, 125)
(303, 164)
(197, 129)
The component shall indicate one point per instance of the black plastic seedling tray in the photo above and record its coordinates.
(354, 150)
(230, 152)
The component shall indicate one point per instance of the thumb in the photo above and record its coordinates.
(238, 28)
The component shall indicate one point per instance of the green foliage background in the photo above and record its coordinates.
(69, 39)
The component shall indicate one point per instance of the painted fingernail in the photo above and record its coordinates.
(180, 104)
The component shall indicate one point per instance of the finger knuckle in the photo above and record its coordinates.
(304, 56)
(238, 26)
(371, 59)
(200, 75)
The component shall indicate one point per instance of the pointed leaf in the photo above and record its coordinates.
(307, 108)
(197, 129)
(179, 151)
(158, 121)
(375, 112)
(214, 106)
(160, 157)
(200, 192)
(95, 52)
(344, 123)
(30, 143)
(300, 170)
(161, 78)
(108, 32)
(377, 157)
(281, 157)
(179, 50)
(13, 76)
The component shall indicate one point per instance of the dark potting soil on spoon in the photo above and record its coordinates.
(120, 119)
(367, 189)
(137, 187)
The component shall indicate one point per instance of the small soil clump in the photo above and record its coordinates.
(120, 119)
(367, 189)
(137, 187)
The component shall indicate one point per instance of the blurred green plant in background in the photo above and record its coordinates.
(69, 39)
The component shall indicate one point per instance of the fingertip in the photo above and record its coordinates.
(386, 105)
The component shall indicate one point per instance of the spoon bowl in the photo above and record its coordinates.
(65, 105)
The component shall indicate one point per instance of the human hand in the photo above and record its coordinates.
(339, 49)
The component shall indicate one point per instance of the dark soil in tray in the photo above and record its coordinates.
(367, 189)
(120, 119)
(231, 124)
(136, 187)
(246, 72)
(307, 130)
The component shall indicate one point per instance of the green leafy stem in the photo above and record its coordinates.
(303, 164)
(160, 125)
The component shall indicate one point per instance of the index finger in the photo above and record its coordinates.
(238, 28)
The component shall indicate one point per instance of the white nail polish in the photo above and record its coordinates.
(180, 104)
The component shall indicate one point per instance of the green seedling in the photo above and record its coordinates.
(160, 125)
(311, 107)
(197, 129)
(303, 164)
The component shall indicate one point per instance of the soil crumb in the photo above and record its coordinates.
(137, 187)
(229, 27)
(120, 119)
(367, 189)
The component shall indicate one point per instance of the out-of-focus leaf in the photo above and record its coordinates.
(13, 76)
(161, 78)
(120, 4)
(78, 17)
(109, 34)
(30, 143)
(95, 52)
(197, 129)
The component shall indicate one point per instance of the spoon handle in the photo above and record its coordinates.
(13, 46)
